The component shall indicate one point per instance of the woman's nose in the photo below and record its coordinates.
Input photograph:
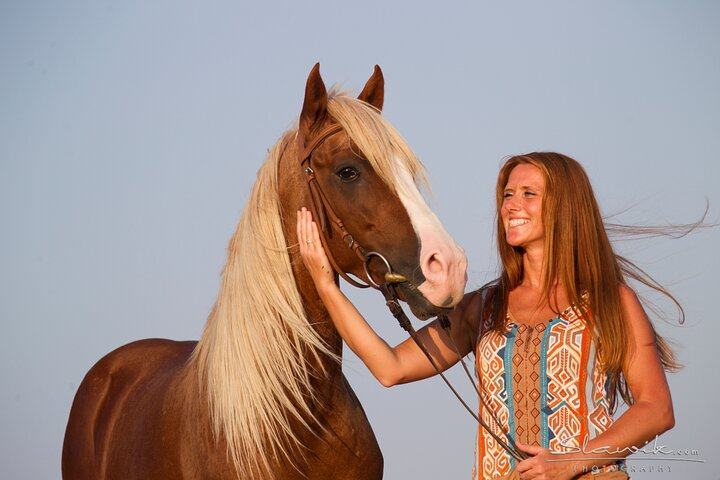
(511, 205)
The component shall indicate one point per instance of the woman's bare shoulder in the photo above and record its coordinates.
(469, 311)
(473, 301)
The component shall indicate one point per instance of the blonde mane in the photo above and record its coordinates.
(256, 354)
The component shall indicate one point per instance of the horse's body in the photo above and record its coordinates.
(141, 418)
(262, 394)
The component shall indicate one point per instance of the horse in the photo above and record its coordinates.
(262, 395)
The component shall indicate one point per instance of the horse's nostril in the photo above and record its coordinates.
(434, 265)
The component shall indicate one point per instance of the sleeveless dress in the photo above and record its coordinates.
(543, 384)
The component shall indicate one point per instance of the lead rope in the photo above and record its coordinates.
(445, 324)
(404, 321)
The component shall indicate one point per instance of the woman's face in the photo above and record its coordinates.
(521, 209)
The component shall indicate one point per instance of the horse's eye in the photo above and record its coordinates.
(348, 174)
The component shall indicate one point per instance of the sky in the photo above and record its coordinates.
(131, 133)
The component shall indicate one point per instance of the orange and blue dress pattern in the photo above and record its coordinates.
(544, 385)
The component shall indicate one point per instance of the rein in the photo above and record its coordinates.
(397, 311)
(329, 221)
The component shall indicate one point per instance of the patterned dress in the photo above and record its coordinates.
(544, 384)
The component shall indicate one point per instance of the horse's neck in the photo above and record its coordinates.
(294, 195)
(317, 314)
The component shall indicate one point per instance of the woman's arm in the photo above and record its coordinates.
(650, 415)
(390, 365)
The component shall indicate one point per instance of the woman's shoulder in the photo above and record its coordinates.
(470, 301)
(475, 309)
(627, 294)
(634, 313)
(468, 312)
(478, 299)
(630, 302)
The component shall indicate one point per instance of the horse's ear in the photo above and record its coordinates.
(374, 91)
(315, 105)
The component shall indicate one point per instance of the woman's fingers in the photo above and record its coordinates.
(304, 220)
(311, 249)
(303, 223)
(299, 228)
(309, 238)
(314, 234)
(309, 235)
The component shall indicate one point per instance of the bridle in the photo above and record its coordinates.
(328, 220)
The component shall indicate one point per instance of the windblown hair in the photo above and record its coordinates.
(259, 352)
(579, 255)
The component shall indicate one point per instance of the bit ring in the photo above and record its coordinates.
(369, 256)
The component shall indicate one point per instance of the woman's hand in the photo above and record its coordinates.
(537, 467)
(312, 251)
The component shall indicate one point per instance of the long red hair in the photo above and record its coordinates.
(578, 255)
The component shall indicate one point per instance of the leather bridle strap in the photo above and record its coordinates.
(404, 321)
(322, 209)
(445, 325)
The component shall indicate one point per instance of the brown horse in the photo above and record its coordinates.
(262, 394)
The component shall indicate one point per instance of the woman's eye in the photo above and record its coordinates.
(348, 174)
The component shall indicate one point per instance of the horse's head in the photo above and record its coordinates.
(368, 177)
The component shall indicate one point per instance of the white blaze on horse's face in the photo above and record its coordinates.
(442, 261)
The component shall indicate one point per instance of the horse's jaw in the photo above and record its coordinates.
(420, 306)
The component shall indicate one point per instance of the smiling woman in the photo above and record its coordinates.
(563, 334)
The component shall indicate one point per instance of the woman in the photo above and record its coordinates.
(557, 337)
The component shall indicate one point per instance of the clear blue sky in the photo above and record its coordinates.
(130, 133)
